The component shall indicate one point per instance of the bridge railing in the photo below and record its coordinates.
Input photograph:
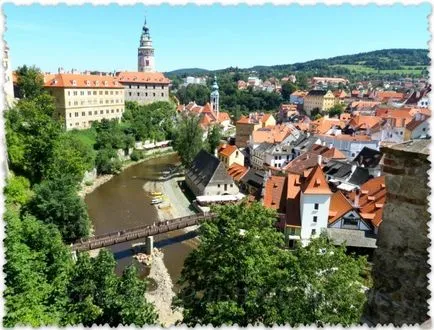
(140, 232)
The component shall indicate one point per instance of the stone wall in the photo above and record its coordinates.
(400, 292)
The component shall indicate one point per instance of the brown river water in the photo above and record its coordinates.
(122, 203)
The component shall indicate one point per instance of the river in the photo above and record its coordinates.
(122, 203)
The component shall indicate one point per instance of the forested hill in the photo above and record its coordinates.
(408, 62)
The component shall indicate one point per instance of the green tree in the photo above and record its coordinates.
(107, 161)
(336, 110)
(56, 202)
(241, 274)
(97, 296)
(188, 138)
(36, 272)
(213, 139)
(31, 136)
(30, 82)
(18, 190)
(287, 89)
(71, 156)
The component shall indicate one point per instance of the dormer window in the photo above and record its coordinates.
(105, 83)
(87, 83)
(97, 83)
(74, 83)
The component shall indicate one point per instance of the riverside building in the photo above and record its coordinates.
(81, 99)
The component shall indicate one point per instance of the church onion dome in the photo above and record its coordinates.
(215, 86)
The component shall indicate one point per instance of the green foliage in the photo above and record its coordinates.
(149, 122)
(107, 162)
(213, 139)
(240, 274)
(17, 190)
(56, 202)
(317, 116)
(187, 140)
(287, 89)
(193, 92)
(97, 296)
(136, 155)
(36, 272)
(31, 137)
(72, 157)
(336, 110)
(30, 82)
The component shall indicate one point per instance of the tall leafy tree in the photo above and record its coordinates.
(188, 138)
(287, 89)
(97, 296)
(213, 139)
(240, 274)
(30, 82)
(56, 202)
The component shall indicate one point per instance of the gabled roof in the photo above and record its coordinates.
(206, 167)
(316, 183)
(227, 150)
(339, 206)
(337, 169)
(302, 163)
(371, 200)
(254, 178)
(317, 92)
(293, 200)
(415, 123)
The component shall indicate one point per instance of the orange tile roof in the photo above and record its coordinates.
(237, 171)
(299, 93)
(316, 182)
(364, 122)
(271, 134)
(372, 199)
(393, 113)
(293, 200)
(324, 124)
(412, 125)
(223, 116)
(346, 137)
(143, 77)
(301, 163)
(423, 111)
(339, 206)
(384, 95)
(256, 118)
(67, 80)
(364, 104)
(227, 150)
(334, 153)
(273, 192)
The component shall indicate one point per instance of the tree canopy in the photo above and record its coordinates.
(187, 139)
(240, 274)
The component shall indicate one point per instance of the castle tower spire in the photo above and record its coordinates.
(215, 95)
(146, 60)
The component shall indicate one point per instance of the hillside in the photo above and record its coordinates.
(379, 63)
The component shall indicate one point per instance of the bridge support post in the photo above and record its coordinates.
(149, 245)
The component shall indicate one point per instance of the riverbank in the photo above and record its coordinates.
(163, 295)
(101, 179)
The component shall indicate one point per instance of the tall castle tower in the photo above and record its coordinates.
(146, 61)
(215, 97)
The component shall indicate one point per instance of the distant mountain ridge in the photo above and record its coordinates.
(387, 60)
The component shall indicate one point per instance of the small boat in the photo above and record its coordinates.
(156, 193)
(156, 201)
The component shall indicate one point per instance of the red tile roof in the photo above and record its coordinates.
(339, 206)
(237, 171)
(67, 80)
(316, 182)
(143, 77)
(227, 150)
(274, 192)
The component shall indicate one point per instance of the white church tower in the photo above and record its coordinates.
(215, 97)
(146, 60)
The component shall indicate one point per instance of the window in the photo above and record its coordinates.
(232, 185)
(95, 112)
(130, 93)
(76, 114)
(83, 113)
(424, 129)
(106, 111)
(316, 206)
(315, 219)
(117, 110)
(162, 94)
(113, 111)
(154, 86)
(90, 113)
(94, 92)
(154, 94)
(138, 94)
(117, 92)
(111, 92)
(75, 93)
(313, 232)
(100, 92)
(69, 93)
(89, 93)
(81, 92)
(146, 94)
(101, 112)
(70, 115)
(69, 103)
(218, 186)
(226, 186)
(106, 92)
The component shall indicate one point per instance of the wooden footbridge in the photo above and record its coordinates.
(132, 234)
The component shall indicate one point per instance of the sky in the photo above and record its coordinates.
(106, 38)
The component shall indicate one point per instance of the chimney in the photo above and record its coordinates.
(319, 160)
(60, 70)
(356, 198)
